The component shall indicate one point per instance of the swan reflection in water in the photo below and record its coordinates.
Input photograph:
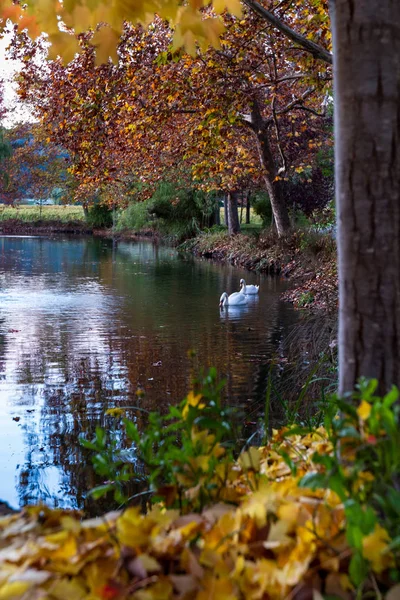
(234, 313)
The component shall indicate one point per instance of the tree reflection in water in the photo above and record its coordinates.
(84, 323)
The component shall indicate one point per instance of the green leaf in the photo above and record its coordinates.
(213, 424)
(292, 465)
(313, 481)
(355, 536)
(88, 444)
(358, 569)
(101, 490)
(132, 431)
(391, 397)
(175, 412)
(323, 459)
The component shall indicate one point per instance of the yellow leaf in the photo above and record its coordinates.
(192, 400)
(106, 41)
(235, 8)
(162, 590)
(63, 589)
(200, 462)
(219, 6)
(13, 590)
(364, 410)
(63, 44)
(216, 589)
(375, 549)
(250, 460)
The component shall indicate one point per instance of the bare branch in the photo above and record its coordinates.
(311, 110)
(315, 49)
(278, 137)
(296, 102)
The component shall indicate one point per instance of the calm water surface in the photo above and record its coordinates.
(85, 323)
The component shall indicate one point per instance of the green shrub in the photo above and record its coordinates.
(169, 454)
(175, 211)
(363, 468)
(100, 216)
(262, 207)
(136, 216)
(181, 212)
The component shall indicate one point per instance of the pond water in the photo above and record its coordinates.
(84, 323)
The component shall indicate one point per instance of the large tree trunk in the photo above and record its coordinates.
(367, 122)
(226, 209)
(248, 208)
(233, 215)
(273, 185)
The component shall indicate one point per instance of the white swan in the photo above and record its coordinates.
(234, 299)
(248, 289)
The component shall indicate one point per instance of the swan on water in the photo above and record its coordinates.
(234, 299)
(248, 289)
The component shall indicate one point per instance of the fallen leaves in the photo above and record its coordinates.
(276, 540)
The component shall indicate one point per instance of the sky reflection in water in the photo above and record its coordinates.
(84, 322)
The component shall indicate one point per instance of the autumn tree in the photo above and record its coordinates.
(228, 115)
(243, 108)
(32, 167)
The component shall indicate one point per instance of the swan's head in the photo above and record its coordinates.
(242, 283)
(223, 300)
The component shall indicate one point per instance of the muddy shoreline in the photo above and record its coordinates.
(16, 227)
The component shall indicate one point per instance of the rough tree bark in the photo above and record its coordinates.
(273, 186)
(233, 215)
(367, 130)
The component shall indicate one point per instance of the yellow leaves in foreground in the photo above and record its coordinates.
(187, 20)
(277, 540)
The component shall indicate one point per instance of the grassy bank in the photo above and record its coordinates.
(43, 220)
(33, 214)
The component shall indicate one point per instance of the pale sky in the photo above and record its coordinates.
(17, 111)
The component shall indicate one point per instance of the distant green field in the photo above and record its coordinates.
(31, 214)
(254, 218)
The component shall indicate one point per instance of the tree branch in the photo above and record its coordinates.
(311, 110)
(315, 49)
(278, 137)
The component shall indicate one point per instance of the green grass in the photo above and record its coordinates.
(32, 214)
(255, 220)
